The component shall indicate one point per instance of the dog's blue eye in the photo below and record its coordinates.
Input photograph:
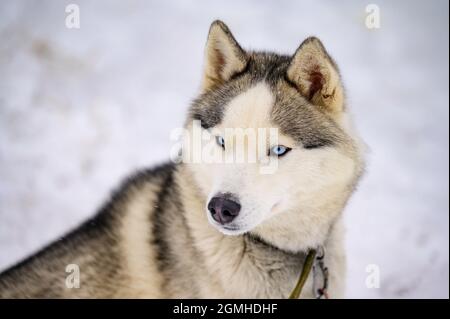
(279, 150)
(220, 141)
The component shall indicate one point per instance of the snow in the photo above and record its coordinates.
(82, 108)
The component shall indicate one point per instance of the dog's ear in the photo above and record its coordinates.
(224, 57)
(316, 76)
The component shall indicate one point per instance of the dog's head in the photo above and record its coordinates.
(282, 158)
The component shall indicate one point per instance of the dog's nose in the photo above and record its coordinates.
(223, 210)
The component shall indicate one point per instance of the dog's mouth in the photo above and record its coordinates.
(230, 228)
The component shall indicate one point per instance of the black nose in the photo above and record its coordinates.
(223, 210)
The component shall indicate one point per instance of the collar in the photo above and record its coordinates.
(314, 262)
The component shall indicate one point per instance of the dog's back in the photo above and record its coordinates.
(95, 251)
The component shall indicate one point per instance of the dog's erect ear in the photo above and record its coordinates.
(316, 76)
(223, 56)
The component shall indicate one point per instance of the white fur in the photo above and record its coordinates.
(145, 280)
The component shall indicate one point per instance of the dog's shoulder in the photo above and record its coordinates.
(95, 247)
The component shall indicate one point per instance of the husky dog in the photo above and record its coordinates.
(223, 230)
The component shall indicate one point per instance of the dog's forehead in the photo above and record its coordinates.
(250, 109)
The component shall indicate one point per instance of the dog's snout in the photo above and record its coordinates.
(223, 209)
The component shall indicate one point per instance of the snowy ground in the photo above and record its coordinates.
(80, 109)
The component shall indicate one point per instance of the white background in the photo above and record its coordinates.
(81, 109)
